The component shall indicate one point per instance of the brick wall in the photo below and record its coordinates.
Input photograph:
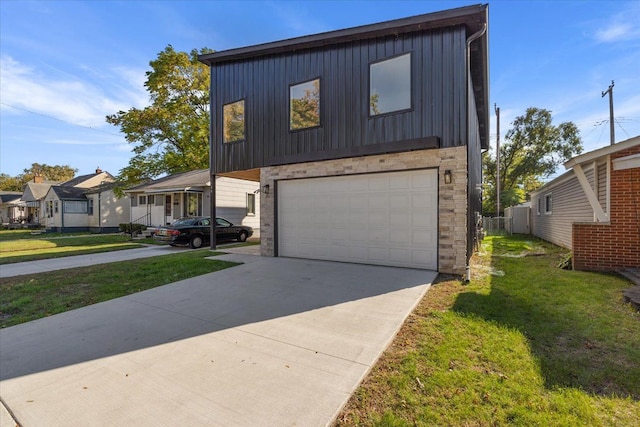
(613, 245)
(452, 198)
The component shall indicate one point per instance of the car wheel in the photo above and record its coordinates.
(242, 237)
(195, 242)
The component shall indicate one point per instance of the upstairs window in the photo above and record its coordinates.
(304, 105)
(233, 122)
(390, 85)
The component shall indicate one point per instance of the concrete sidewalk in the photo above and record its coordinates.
(44, 265)
(272, 342)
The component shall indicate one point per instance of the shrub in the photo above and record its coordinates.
(133, 229)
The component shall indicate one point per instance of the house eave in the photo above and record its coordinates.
(473, 17)
(602, 152)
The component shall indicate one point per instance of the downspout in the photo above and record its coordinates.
(212, 172)
(470, 40)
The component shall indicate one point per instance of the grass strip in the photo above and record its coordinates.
(30, 297)
(524, 344)
(21, 250)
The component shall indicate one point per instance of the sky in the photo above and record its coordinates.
(65, 65)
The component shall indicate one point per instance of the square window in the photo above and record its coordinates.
(233, 122)
(390, 85)
(251, 204)
(304, 105)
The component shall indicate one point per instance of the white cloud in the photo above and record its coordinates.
(620, 27)
(76, 101)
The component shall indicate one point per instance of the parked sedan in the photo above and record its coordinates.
(196, 231)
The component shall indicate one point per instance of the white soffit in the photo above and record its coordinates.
(628, 162)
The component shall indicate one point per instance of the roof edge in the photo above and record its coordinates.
(434, 20)
(600, 152)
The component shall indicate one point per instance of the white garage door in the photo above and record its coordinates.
(382, 218)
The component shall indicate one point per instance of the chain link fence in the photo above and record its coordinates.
(497, 226)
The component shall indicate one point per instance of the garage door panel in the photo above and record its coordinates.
(386, 218)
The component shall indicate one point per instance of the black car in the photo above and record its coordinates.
(196, 231)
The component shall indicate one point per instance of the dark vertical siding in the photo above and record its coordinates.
(438, 84)
(474, 168)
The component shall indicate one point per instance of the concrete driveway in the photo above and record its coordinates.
(272, 342)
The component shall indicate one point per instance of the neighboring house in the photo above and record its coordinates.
(84, 203)
(11, 209)
(161, 201)
(594, 208)
(33, 194)
(35, 191)
(95, 209)
(366, 141)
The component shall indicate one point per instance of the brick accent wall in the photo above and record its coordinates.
(452, 203)
(613, 245)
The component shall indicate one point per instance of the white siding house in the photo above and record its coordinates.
(557, 205)
(161, 201)
(593, 208)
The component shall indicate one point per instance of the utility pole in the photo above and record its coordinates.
(497, 160)
(612, 131)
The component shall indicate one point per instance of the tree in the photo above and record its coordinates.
(533, 150)
(172, 134)
(52, 173)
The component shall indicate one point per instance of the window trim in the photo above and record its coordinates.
(319, 78)
(411, 85)
(251, 204)
(548, 203)
(239, 141)
(68, 203)
(538, 205)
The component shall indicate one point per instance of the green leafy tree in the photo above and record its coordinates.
(172, 134)
(49, 172)
(52, 173)
(10, 183)
(533, 149)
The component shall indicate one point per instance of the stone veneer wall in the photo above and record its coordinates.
(452, 198)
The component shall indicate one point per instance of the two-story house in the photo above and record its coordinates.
(366, 141)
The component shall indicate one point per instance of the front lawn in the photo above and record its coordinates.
(20, 246)
(30, 297)
(524, 344)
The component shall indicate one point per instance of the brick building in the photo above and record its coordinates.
(594, 208)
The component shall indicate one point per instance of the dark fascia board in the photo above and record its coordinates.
(474, 17)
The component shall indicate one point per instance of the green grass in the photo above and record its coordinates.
(18, 246)
(525, 344)
(30, 297)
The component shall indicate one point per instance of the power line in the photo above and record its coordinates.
(60, 120)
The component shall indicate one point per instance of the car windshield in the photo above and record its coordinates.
(184, 221)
